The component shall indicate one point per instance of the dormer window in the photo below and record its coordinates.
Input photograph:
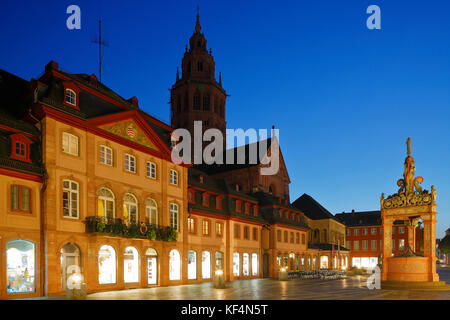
(71, 97)
(20, 147)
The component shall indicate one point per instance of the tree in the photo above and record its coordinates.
(444, 245)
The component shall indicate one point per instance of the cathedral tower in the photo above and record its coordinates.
(197, 96)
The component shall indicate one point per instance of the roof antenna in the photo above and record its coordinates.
(100, 43)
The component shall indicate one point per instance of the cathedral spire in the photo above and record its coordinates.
(198, 28)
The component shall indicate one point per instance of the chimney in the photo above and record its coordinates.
(52, 65)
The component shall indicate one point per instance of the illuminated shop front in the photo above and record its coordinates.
(255, 264)
(20, 267)
(174, 265)
(131, 265)
(106, 265)
(70, 262)
(192, 265)
(364, 262)
(152, 266)
(245, 265)
(324, 262)
(236, 264)
(219, 260)
(206, 265)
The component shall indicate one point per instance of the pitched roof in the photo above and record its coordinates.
(365, 218)
(312, 208)
(241, 157)
(362, 218)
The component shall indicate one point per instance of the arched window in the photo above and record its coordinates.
(71, 97)
(106, 265)
(152, 266)
(255, 265)
(174, 216)
(70, 262)
(70, 200)
(106, 206)
(20, 267)
(152, 211)
(192, 265)
(245, 265)
(131, 265)
(174, 265)
(206, 265)
(130, 208)
(236, 264)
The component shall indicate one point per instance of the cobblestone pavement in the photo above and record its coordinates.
(352, 288)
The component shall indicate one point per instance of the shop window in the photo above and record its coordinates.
(152, 266)
(130, 208)
(324, 262)
(219, 260)
(106, 205)
(245, 265)
(20, 267)
(131, 265)
(70, 144)
(192, 265)
(152, 211)
(70, 201)
(174, 265)
(106, 265)
(236, 264)
(20, 199)
(206, 265)
(255, 265)
(106, 155)
(70, 264)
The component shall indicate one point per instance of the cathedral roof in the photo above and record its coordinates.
(312, 209)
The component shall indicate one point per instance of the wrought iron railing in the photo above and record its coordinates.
(141, 230)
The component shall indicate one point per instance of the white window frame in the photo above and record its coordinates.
(70, 138)
(104, 199)
(72, 95)
(151, 207)
(173, 177)
(128, 204)
(151, 170)
(130, 163)
(71, 205)
(104, 151)
(174, 216)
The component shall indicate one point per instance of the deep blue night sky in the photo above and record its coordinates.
(345, 98)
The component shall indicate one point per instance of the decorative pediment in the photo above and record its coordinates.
(128, 129)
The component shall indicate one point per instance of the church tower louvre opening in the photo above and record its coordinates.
(196, 94)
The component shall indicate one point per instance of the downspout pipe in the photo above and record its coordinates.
(42, 237)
